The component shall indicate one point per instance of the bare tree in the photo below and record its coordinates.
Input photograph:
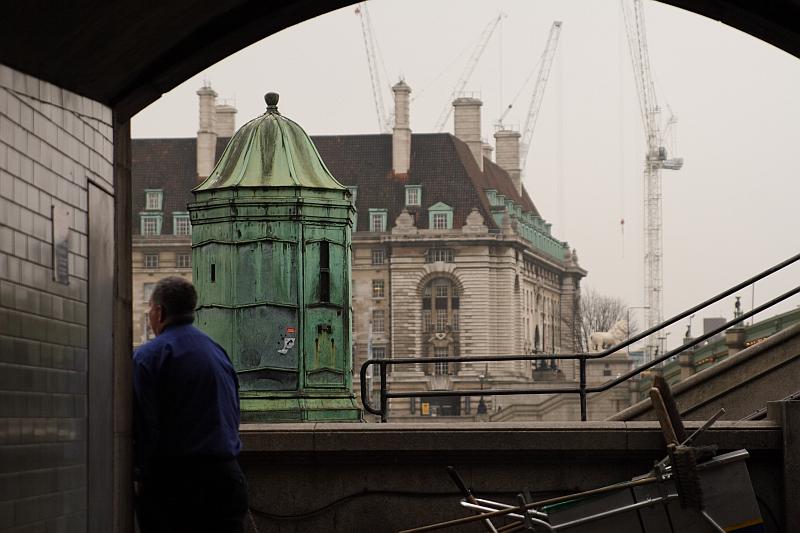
(599, 312)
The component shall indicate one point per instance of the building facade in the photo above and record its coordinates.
(450, 255)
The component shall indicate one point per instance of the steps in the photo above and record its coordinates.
(742, 383)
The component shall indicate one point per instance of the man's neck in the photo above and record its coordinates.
(177, 321)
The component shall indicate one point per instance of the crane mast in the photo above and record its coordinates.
(477, 52)
(655, 160)
(371, 47)
(546, 62)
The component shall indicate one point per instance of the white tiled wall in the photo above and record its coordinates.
(52, 143)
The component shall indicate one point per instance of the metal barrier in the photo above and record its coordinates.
(582, 390)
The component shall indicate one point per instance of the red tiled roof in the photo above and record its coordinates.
(441, 164)
(169, 165)
(498, 180)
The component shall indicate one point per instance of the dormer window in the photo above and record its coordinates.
(153, 199)
(377, 220)
(413, 195)
(150, 224)
(439, 220)
(440, 216)
(181, 224)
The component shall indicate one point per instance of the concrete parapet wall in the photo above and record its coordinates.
(742, 384)
(388, 477)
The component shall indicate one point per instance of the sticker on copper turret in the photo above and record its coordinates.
(288, 344)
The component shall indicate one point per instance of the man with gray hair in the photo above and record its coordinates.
(186, 422)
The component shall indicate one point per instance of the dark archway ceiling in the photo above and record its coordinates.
(126, 53)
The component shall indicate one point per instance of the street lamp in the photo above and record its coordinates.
(482, 410)
(663, 342)
(689, 328)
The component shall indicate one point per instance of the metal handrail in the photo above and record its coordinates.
(583, 390)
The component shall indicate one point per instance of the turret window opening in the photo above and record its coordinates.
(324, 272)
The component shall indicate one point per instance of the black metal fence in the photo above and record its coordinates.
(582, 390)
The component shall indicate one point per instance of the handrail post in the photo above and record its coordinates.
(363, 384)
(582, 384)
(384, 402)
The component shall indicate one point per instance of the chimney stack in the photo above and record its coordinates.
(206, 134)
(401, 134)
(507, 143)
(487, 150)
(467, 125)
(225, 125)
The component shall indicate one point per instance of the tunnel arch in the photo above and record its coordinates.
(126, 54)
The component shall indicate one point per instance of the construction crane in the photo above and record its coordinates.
(655, 159)
(545, 62)
(477, 52)
(373, 61)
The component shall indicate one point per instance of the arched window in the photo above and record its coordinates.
(440, 306)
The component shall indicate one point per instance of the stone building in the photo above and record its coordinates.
(450, 255)
(164, 171)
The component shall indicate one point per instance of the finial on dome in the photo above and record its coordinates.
(272, 102)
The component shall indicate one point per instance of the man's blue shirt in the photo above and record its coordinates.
(186, 399)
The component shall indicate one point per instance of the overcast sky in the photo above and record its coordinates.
(729, 213)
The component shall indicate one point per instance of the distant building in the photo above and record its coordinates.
(717, 348)
(710, 324)
(163, 173)
(450, 255)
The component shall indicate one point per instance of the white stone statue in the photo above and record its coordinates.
(600, 340)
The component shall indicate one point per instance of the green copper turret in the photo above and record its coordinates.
(271, 232)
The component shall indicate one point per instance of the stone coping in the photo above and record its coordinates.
(566, 437)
